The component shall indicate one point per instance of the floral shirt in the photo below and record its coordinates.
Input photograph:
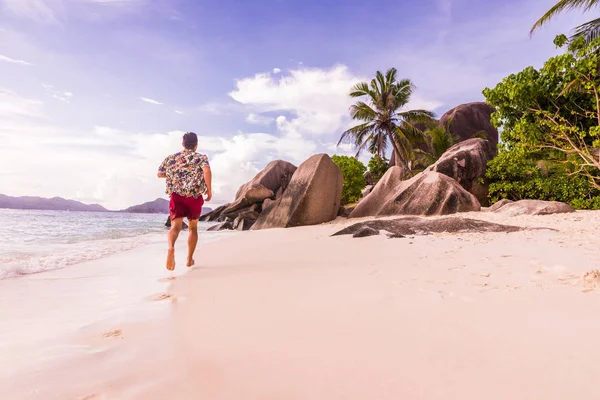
(184, 173)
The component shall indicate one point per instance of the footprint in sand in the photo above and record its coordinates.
(164, 296)
(170, 278)
(93, 396)
(591, 280)
(115, 333)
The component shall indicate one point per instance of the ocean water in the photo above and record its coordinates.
(34, 241)
(52, 299)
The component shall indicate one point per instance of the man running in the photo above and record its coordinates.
(188, 179)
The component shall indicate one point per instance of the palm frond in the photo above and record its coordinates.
(423, 159)
(390, 75)
(360, 89)
(362, 111)
(404, 142)
(563, 5)
(417, 115)
(590, 30)
(355, 132)
(412, 133)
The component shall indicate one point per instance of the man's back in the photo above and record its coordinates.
(184, 173)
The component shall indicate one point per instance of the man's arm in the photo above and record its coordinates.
(208, 180)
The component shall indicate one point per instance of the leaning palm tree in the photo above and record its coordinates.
(590, 30)
(384, 122)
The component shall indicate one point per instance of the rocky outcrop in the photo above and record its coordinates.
(532, 207)
(268, 184)
(466, 163)
(467, 120)
(428, 193)
(168, 223)
(499, 204)
(312, 196)
(365, 192)
(400, 227)
(273, 179)
(223, 226)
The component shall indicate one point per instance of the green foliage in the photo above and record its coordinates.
(382, 120)
(550, 115)
(378, 166)
(354, 177)
(511, 175)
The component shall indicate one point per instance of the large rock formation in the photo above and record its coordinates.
(466, 121)
(312, 196)
(466, 163)
(275, 177)
(428, 193)
(267, 184)
(470, 119)
(533, 207)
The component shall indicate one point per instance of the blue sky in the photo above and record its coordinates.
(94, 93)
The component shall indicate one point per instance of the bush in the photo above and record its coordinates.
(354, 177)
(378, 166)
(513, 175)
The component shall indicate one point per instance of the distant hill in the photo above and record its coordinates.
(158, 206)
(40, 203)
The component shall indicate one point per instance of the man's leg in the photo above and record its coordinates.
(173, 235)
(192, 241)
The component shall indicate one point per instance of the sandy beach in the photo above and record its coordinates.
(297, 314)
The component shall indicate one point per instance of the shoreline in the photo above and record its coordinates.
(80, 300)
(295, 313)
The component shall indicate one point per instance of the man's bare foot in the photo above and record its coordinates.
(190, 262)
(171, 259)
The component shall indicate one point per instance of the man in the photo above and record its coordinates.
(188, 179)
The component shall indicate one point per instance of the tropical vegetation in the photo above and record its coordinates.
(353, 172)
(378, 166)
(383, 120)
(550, 123)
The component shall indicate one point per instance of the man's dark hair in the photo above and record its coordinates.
(190, 140)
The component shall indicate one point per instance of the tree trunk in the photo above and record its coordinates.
(398, 160)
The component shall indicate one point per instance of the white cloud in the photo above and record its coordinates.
(150, 101)
(258, 119)
(316, 98)
(179, 112)
(53, 12)
(276, 70)
(13, 60)
(57, 94)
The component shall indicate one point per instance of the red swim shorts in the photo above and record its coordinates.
(187, 207)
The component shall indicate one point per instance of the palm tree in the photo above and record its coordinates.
(590, 30)
(438, 139)
(383, 120)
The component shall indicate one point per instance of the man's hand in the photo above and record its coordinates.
(208, 181)
(161, 175)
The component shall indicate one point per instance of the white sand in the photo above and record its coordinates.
(295, 314)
